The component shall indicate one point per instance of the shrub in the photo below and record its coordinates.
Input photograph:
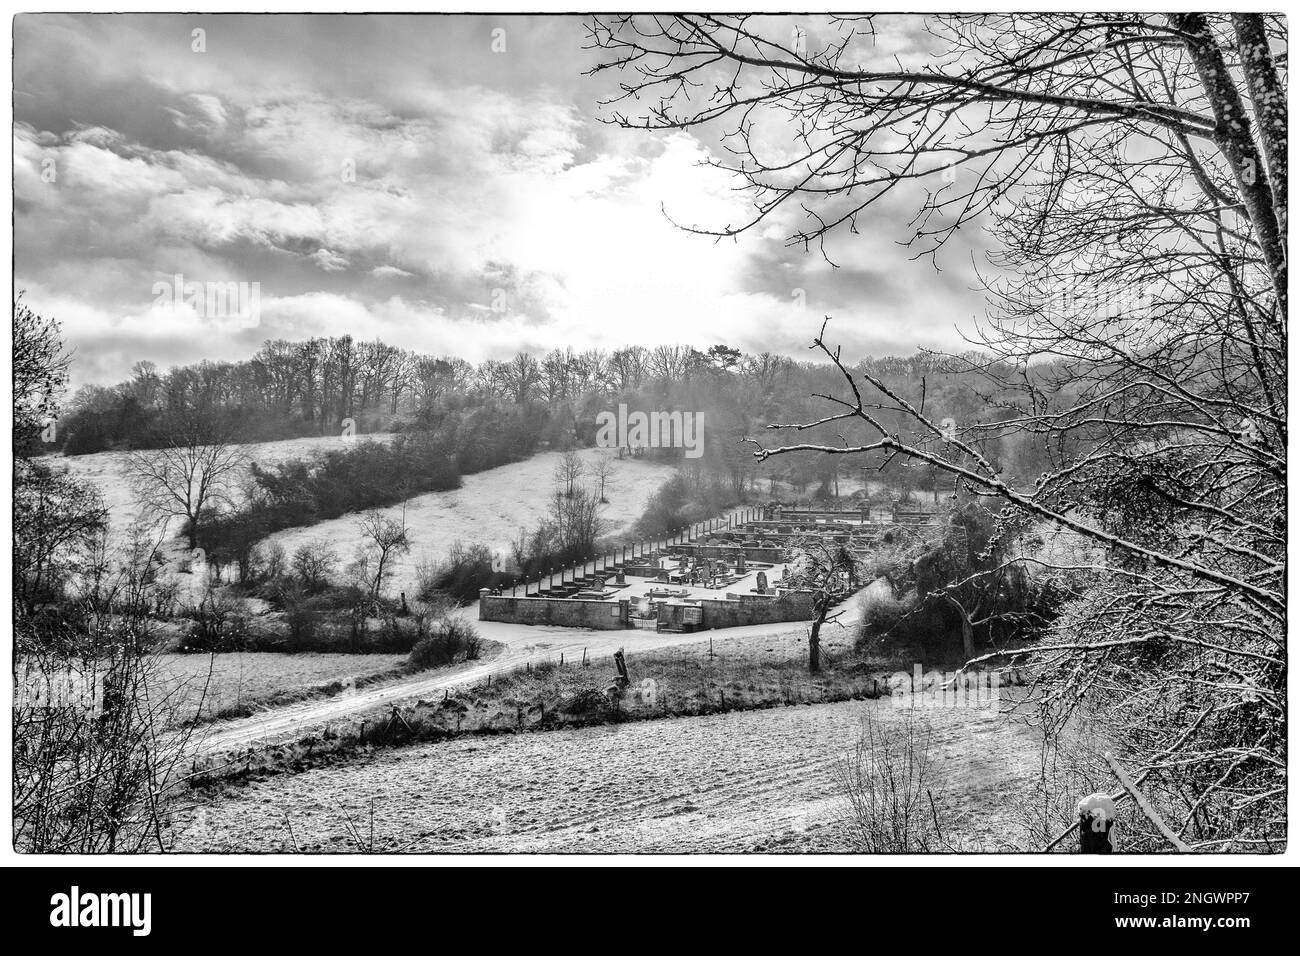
(371, 475)
(906, 622)
(313, 563)
(586, 703)
(449, 640)
(888, 780)
(275, 562)
(466, 570)
(218, 625)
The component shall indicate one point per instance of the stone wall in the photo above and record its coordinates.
(716, 613)
(729, 552)
(564, 612)
(796, 606)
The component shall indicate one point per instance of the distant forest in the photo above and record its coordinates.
(488, 414)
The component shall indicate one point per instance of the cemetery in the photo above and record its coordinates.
(727, 572)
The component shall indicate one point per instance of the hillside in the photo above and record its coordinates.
(489, 509)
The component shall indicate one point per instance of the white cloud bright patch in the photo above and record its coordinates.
(474, 212)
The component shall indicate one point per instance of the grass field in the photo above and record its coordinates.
(107, 470)
(206, 685)
(490, 509)
(721, 676)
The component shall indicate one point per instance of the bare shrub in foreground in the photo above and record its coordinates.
(92, 765)
(889, 782)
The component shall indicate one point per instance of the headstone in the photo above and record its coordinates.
(619, 578)
(762, 582)
(740, 563)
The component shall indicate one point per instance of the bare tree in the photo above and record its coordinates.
(388, 537)
(313, 563)
(1132, 170)
(93, 767)
(603, 470)
(40, 371)
(195, 472)
(56, 520)
(568, 471)
(829, 571)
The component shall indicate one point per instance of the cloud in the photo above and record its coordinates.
(329, 261)
(391, 272)
(441, 198)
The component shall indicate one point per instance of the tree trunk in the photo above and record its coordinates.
(814, 636)
(967, 638)
(1269, 100)
(1234, 138)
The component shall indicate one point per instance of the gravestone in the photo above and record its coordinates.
(619, 578)
(762, 582)
(740, 563)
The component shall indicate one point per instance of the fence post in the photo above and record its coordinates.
(1096, 818)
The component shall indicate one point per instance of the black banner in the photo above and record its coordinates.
(298, 904)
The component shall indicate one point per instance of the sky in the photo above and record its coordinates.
(444, 184)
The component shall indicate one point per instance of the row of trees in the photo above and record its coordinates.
(336, 386)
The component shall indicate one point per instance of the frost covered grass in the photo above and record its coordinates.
(689, 680)
(206, 687)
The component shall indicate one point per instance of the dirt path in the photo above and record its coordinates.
(739, 782)
(522, 644)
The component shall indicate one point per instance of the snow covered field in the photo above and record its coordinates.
(739, 782)
(107, 470)
(489, 509)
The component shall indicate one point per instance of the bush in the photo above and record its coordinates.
(890, 785)
(371, 475)
(678, 503)
(313, 564)
(906, 623)
(218, 625)
(449, 640)
(586, 703)
(467, 569)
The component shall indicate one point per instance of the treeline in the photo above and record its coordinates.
(367, 475)
(338, 385)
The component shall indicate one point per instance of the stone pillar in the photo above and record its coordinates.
(482, 603)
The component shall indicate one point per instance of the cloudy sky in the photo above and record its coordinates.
(395, 177)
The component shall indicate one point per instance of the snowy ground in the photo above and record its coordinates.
(739, 782)
(522, 645)
(108, 472)
(205, 684)
(489, 509)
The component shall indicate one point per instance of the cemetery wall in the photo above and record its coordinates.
(788, 607)
(728, 552)
(563, 612)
